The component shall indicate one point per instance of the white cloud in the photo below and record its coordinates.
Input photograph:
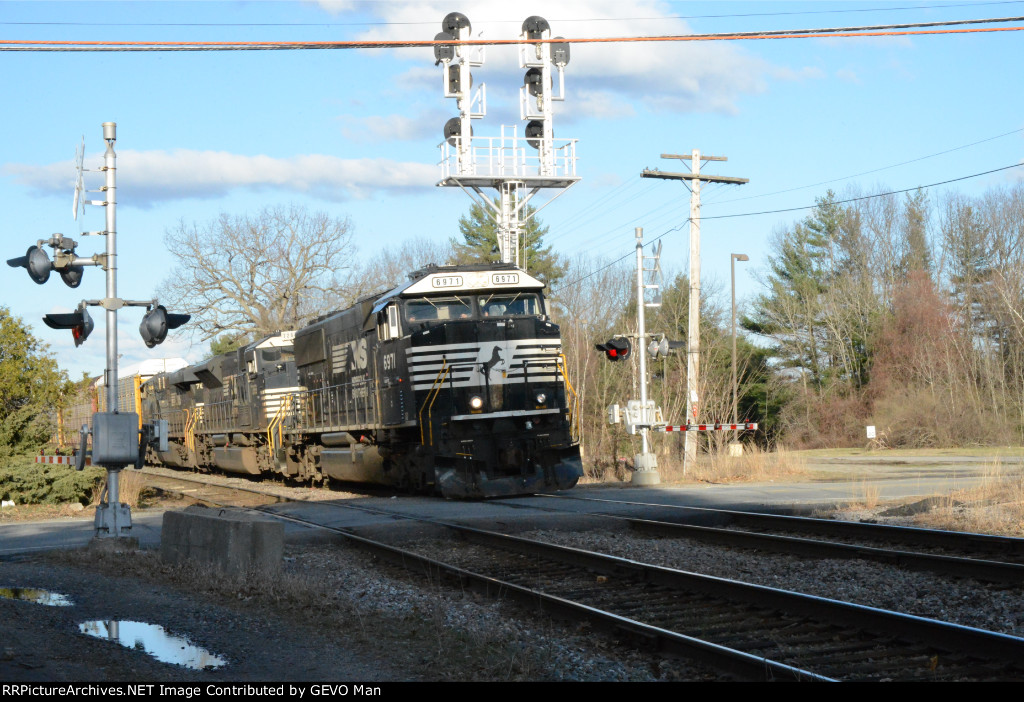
(845, 74)
(148, 177)
(394, 127)
(600, 104)
(687, 76)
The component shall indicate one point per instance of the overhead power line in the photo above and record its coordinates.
(498, 21)
(873, 170)
(576, 281)
(868, 197)
(888, 30)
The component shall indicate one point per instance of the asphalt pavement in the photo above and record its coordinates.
(828, 482)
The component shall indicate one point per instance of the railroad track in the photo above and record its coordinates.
(948, 552)
(752, 631)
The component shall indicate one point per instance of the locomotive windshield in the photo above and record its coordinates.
(505, 304)
(438, 308)
(509, 305)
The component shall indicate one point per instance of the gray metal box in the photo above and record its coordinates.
(115, 438)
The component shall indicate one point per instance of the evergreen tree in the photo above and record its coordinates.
(227, 342)
(917, 254)
(480, 244)
(790, 313)
(31, 388)
(966, 239)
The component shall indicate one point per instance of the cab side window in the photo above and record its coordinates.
(387, 323)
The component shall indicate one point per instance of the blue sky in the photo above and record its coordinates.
(355, 133)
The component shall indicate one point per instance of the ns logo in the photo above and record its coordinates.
(349, 356)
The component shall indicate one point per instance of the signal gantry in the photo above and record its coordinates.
(507, 162)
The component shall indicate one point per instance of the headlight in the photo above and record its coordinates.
(476, 402)
(541, 398)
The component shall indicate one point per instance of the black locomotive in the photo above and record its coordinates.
(453, 383)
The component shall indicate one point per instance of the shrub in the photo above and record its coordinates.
(27, 482)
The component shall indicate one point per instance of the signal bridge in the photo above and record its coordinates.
(494, 160)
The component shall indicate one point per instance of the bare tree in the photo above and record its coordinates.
(259, 274)
(391, 266)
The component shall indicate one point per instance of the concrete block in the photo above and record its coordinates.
(233, 542)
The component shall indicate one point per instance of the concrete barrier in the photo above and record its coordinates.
(234, 542)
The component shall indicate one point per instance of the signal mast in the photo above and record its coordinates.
(517, 166)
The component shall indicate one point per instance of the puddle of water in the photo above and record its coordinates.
(154, 640)
(31, 594)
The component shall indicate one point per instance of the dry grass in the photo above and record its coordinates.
(754, 465)
(869, 497)
(131, 489)
(995, 506)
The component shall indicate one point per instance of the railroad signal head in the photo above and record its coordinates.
(453, 22)
(453, 130)
(443, 52)
(79, 322)
(157, 322)
(534, 27)
(560, 53)
(36, 262)
(454, 78)
(534, 81)
(616, 349)
(534, 132)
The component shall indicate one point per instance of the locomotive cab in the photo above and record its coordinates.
(484, 382)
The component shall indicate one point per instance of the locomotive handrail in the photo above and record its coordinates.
(192, 418)
(573, 406)
(335, 406)
(276, 421)
(428, 401)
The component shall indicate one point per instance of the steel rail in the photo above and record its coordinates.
(932, 635)
(936, 633)
(738, 663)
(956, 540)
(991, 571)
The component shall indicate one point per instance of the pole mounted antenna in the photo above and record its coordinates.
(518, 167)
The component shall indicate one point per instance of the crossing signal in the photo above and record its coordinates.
(79, 322)
(157, 322)
(72, 275)
(36, 262)
(617, 349)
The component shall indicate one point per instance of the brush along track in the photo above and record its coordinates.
(753, 631)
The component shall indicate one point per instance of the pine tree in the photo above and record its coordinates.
(480, 244)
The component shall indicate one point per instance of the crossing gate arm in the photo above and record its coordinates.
(743, 426)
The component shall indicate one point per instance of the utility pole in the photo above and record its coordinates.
(693, 328)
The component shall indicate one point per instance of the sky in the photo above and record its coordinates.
(355, 133)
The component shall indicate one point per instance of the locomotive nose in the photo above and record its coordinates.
(510, 457)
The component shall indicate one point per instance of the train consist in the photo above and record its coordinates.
(453, 383)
